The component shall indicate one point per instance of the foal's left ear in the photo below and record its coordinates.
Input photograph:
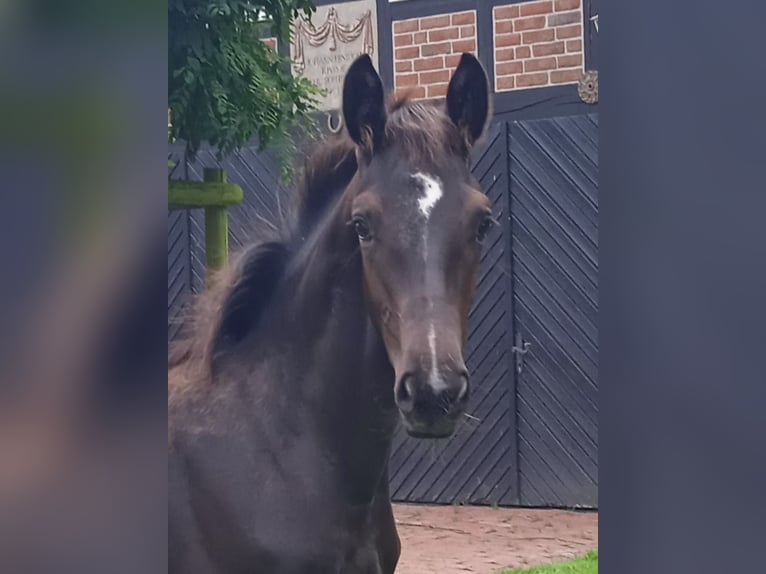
(364, 108)
(468, 101)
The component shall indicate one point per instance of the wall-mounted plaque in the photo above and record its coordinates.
(323, 49)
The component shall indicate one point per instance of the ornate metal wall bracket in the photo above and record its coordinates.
(587, 87)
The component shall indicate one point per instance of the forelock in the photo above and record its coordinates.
(423, 131)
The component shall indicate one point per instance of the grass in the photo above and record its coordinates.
(587, 564)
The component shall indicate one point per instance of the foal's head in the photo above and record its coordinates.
(420, 219)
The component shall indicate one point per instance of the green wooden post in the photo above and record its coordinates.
(216, 226)
(214, 195)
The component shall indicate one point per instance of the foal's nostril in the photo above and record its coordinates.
(457, 394)
(462, 394)
(405, 394)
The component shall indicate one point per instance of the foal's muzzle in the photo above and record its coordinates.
(431, 404)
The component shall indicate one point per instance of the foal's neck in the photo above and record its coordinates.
(350, 386)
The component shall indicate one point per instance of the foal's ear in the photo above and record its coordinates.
(468, 101)
(364, 110)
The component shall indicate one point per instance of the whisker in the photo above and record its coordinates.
(445, 404)
(473, 418)
(465, 426)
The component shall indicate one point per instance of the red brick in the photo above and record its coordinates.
(467, 31)
(437, 77)
(414, 93)
(574, 46)
(568, 32)
(564, 76)
(547, 49)
(441, 35)
(504, 55)
(429, 63)
(406, 80)
(407, 53)
(534, 23)
(402, 40)
(502, 40)
(443, 48)
(523, 52)
(538, 64)
(452, 61)
(560, 5)
(434, 22)
(406, 26)
(537, 36)
(507, 68)
(504, 27)
(420, 37)
(532, 8)
(506, 83)
(418, 93)
(529, 80)
(571, 61)
(464, 46)
(463, 18)
(503, 12)
(405, 66)
(437, 91)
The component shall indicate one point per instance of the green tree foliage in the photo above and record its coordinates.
(226, 86)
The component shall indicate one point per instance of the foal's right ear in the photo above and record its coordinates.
(364, 110)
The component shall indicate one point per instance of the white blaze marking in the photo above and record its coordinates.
(434, 380)
(432, 192)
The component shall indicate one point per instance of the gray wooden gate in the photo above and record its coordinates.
(554, 223)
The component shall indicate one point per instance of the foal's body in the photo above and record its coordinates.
(284, 400)
(311, 461)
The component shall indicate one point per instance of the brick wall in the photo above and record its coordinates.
(538, 44)
(427, 50)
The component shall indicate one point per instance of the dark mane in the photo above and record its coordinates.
(328, 169)
(222, 315)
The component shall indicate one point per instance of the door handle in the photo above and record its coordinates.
(520, 349)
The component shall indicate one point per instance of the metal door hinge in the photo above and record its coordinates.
(519, 350)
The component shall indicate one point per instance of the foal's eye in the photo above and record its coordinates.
(484, 228)
(362, 229)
